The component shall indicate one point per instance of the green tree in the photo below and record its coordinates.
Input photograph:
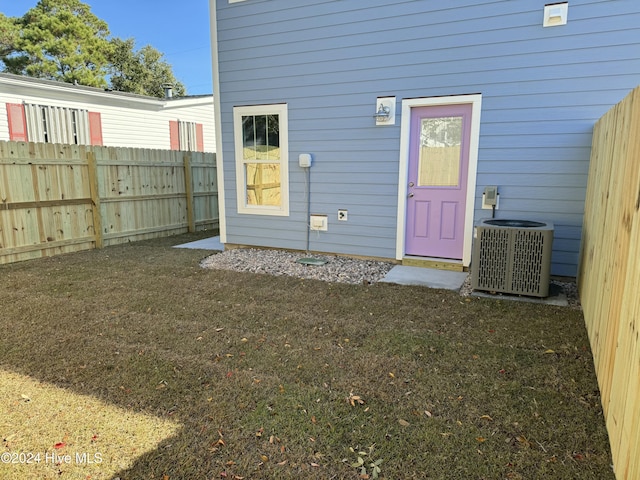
(143, 71)
(8, 35)
(60, 40)
(63, 40)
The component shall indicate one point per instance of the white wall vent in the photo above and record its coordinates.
(512, 256)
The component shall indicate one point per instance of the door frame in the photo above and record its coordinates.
(405, 132)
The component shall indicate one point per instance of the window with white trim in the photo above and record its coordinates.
(187, 136)
(49, 124)
(262, 159)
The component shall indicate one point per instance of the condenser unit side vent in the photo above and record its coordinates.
(513, 257)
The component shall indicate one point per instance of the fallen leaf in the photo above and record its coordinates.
(428, 413)
(314, 465)
(264, 458)
(549, 351)
(25, 397)
(404, 423)
(284, 462)
(353, 399)
(60, 445)
(481, 439)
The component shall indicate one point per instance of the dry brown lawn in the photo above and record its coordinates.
(133, 362)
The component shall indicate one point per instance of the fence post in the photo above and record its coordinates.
(95, 197)
(188, 188)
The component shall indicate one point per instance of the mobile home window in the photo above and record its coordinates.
(261, 149)
(47, 124)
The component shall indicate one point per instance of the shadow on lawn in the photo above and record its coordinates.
(261, 372)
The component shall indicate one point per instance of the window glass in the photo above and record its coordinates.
(439, 156)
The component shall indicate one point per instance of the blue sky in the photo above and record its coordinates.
(179, 29)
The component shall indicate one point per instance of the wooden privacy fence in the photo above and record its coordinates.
(609, 278)
(65, 198)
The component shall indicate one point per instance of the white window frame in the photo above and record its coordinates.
(241, 182)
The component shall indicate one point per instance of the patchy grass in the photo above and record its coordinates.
(253, 376)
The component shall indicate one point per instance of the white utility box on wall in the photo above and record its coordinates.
(318, 222)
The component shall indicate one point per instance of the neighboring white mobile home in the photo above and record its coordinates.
(54, 112)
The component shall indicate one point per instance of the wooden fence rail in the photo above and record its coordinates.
(609, 277)
(65, 198)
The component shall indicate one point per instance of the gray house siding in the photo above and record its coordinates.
(542, 91)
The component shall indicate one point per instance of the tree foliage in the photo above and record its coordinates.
(8, 35)
(143, 71)
(63, 40)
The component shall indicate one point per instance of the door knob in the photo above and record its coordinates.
(410, 195)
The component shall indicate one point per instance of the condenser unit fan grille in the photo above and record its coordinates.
(510, 259)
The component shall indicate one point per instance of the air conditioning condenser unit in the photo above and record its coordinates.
(512, 256)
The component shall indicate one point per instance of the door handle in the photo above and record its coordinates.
(410, 195)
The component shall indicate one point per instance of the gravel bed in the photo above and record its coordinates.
(337, 269)
(279, 262)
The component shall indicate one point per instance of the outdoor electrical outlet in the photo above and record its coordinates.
(342, 215)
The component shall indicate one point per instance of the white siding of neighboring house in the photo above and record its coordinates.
(127, 120)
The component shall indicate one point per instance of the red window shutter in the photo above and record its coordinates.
(174, 134)
(17, 122)
(199, 137)
(95, 128)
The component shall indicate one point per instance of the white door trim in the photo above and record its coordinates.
(405, 131)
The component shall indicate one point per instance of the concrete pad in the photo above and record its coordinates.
(212, 243)
(428, 277)
(556, 297)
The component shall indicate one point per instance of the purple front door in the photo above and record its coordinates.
(437, 180)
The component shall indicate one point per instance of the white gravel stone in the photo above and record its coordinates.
(279, 262)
